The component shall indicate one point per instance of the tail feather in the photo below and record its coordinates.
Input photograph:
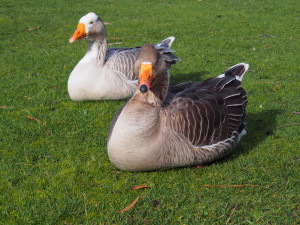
(237, 70)
(164, 48)
(166, 43)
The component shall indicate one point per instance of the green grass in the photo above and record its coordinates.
(57, 171)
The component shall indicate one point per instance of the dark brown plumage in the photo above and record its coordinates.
(187, 124)
(216, 108)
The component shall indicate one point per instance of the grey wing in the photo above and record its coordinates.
(122, 61)
(208, 112)
(164, 48)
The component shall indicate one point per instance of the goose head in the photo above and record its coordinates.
(89, 26)
(151, 71)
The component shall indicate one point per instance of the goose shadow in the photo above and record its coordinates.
(259, 126)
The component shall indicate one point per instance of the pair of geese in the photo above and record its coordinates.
(160, 126)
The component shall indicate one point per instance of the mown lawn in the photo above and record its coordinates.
(55, 170)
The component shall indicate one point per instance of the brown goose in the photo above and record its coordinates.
(107, 73)
(191, 124)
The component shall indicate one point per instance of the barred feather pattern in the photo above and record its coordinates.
(179, 152)
(122, 61)
(209, 112)
(194, 123)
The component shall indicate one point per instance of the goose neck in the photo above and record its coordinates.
(98, 48)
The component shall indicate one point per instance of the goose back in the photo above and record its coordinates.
(123, 59)
(208, 112)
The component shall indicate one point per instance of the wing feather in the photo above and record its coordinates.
(122, 61)
(208, 112)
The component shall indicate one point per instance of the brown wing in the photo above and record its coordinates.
(208, 112)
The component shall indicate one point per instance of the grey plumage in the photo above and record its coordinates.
(123, 59)
(104, 72)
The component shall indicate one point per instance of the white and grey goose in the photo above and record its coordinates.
(187, 124)
(107, 73)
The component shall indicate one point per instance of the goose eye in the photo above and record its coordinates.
(91, 22)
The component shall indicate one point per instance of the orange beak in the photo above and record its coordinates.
(80, 33)
(145, 77)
